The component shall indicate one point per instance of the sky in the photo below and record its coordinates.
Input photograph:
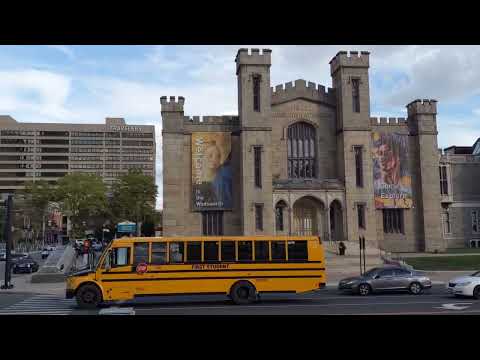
(86, 84)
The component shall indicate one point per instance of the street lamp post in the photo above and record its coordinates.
(8, 242)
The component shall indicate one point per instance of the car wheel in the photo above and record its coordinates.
(415, 288)
(364, 289)
(476, 292)
(89, 296)
(243, 292)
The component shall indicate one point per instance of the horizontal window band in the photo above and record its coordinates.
(212, 270)
(217, 278)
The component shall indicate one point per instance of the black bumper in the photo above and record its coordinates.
(70, 294)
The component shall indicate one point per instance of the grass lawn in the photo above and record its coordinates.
(467, 262)
(463, 251)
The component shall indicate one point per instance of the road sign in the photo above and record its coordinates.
(141, 268)
(126, 227)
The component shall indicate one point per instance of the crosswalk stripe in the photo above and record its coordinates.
(41, 305)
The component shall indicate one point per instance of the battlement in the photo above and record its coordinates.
(289, 91)
(388, 121)
(211, 120)
(253, 57)
(352, 59)
(424, 106)
(172, 105)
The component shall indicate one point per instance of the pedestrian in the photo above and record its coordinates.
(342, 248)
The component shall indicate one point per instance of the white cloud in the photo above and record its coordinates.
(34, 92)
(66, 50)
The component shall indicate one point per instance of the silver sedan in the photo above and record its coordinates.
(386, 279)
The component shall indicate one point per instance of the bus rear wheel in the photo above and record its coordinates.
(89, 297)
(243, 292)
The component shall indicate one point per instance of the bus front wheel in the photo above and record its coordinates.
(243, 292)
(89, 296)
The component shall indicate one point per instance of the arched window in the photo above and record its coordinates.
(301, 151)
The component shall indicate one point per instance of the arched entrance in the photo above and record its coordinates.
(308, 216)
(336, 221)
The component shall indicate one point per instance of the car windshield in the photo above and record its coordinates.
(476, 274)
(371, 272)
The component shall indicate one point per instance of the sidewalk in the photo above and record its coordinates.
(23, 284)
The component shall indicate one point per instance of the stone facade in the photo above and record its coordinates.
(461, 198)
(325, 203)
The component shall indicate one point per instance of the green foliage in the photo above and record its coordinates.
(444, 263)
(82, 196)
(34, 201)
(133, 197)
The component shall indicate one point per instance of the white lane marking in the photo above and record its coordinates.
(41, 305)
(281, 306)
(454, 306)
(117, 311)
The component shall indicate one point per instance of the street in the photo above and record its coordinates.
(325, 302)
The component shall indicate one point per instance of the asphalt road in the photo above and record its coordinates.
(325, 302)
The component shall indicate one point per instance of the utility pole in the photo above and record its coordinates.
(8, 241)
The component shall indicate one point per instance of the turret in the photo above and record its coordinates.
(172, 113)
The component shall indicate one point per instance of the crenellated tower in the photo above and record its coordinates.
(254, 106)
(422, 124)
(350, 81)
(175, 181)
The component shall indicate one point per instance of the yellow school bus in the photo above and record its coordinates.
(241, 267)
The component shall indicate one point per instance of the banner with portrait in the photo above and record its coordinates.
(211, 171)
(392, 182)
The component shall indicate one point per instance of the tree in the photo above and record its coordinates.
(37, 196)
(133, 197)
(81, 196)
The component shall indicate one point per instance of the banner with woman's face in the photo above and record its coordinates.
(211, 171)
(392, 182)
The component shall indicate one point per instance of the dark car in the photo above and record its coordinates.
(388, 278)
(25, 265)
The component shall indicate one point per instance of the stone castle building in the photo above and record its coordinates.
(299, 159)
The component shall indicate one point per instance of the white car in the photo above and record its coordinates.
(465, 285)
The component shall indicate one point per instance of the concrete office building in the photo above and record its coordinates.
(48, 151)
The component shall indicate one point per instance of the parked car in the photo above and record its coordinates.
(465, 285)
(3, 256)
(45, 253)
(51, 248)
(25, 265)
(387, 278)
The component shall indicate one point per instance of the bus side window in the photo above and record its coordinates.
(120, 256)
(278, 251)
(140, 253)
(228, 251)
(210, 251)
(297, 251)
(176, 252)
(194, 251)
(261, 251)
(159, 253)
(245, 252)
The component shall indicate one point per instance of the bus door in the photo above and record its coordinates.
(116, 273)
